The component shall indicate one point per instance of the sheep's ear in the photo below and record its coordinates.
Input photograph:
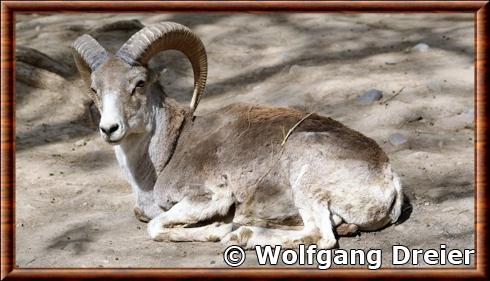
(88, 55)
(153, 77)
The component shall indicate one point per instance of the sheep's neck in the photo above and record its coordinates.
(168, 124)
(135, 161)
(143, 156)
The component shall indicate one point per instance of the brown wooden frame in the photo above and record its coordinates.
(8, 10)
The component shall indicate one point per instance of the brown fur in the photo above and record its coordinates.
(204, 147)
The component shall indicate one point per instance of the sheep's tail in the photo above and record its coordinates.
(398, 204)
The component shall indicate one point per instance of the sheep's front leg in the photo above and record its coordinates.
(209, 233)
(145, 214)
(189, 211)
(145, 208)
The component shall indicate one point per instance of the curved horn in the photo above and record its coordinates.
(89, 55)
(144, 44)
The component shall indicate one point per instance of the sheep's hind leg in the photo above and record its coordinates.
(251, 236)
(324, 221)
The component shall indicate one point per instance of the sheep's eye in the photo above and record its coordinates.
(140, 85)
(93, 90)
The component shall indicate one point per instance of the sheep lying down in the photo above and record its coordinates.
(245, 174)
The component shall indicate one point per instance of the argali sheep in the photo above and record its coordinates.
(246, 175)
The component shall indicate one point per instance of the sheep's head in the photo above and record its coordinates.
(118, 83)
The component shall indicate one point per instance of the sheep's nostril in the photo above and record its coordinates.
(104, 130)
(113, 128)
(110, 130)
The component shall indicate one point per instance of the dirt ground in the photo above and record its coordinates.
(74, 208)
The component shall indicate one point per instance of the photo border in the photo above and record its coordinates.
(9, 8)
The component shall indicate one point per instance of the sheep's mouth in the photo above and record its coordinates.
(114, 142)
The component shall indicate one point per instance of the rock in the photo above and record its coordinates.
(369, 97)
(75, 27)
(397, 139)
(120, 25)
(81, 142)
(38, 59)
(38, 77)
(421, 47)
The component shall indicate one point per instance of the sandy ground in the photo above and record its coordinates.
(74, 209)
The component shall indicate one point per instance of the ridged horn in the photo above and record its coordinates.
(88, 55)
(147, 42)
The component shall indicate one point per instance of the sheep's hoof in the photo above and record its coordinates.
(347, 229)
(156, 232)
(327, 244)
(238, 237)
(140, 215)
